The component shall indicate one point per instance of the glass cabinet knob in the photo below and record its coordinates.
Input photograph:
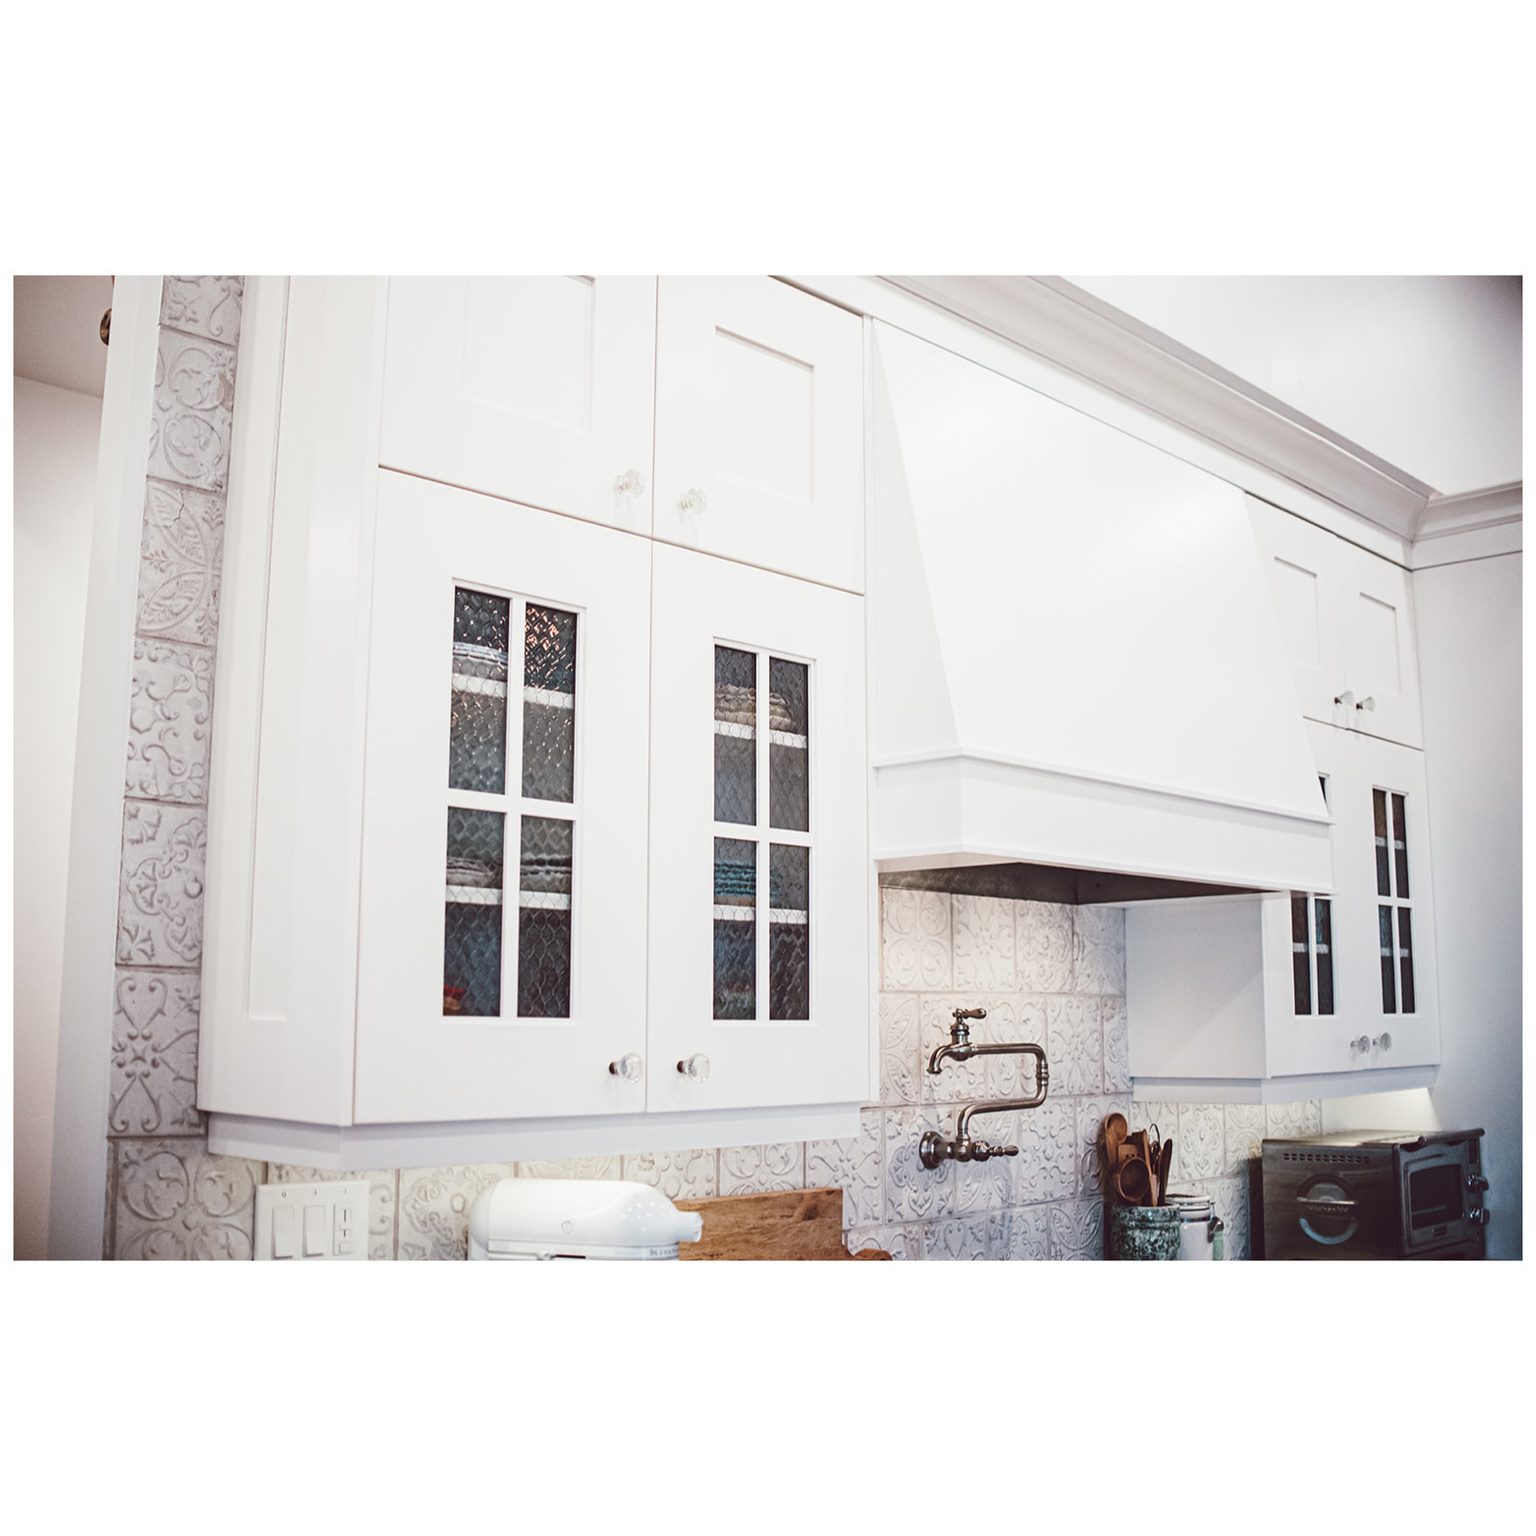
(696, 1067)
(1382, 1042)
(629, 1068)
(692, 500)
(1362, 1044)
(630, 483)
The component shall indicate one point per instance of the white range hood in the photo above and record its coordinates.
(1074, 658)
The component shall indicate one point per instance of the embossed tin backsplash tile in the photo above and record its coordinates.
(154, 1054)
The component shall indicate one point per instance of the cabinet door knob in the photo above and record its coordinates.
(630, 483)
(1369, 704)
(1383, 1041)
(696, 1067)
(1362, 1044)
(630, 1068)
(692, 500)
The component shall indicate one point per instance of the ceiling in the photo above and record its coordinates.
(1423, 373)
(57, 331)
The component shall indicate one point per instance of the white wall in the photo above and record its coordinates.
(1469, 634)
(56, 432)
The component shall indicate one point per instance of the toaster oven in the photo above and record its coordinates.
(1374, 1195)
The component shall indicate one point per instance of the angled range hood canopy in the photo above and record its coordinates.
(1075, 661)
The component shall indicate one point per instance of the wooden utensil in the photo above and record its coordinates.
(1164, 1167)
(1115, 1127)
(1133, 1181)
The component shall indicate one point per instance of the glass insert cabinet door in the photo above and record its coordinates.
(759, 899)
(502, 906)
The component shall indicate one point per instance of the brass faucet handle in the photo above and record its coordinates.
(969, 1013)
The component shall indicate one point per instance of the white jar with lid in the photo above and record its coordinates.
(1201, 1230)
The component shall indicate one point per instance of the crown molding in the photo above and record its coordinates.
(1463, 513)
(1072, 329)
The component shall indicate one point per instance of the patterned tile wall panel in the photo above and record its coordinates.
(176, 1200)
(168, 1198)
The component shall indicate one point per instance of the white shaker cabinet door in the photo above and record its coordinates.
(1346, 624)
(1305, 567)
(1380, 656)
(536, 389)
(759, 945)
(501, 963)
(1385, 923)
(759, 427)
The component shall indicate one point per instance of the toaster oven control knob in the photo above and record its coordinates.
(1476, 1183)
(629, 1068)
(1479, 1217)
(695, 1066)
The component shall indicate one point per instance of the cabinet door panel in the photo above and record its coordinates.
(1305, 568)
(536, 389)
(759, 427)
(1380, 658)
(759, 890)
(502, 930)
(1405, 1006)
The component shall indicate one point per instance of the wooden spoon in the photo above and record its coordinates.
(1115, 1128)
(1133, 1181)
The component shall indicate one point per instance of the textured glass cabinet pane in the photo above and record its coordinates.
(735, 872)
(549, 704)
(549, 650)
(1301, 968)
(475, 847)
(472, 959)
(1388, 980)
(735, 736)
(481, 624)
(1400, 845)
(549, 750)
(789, 932)
(789, 970)
(789, 877)
(546, 856)
(477, 715)
(735, 969)
(1405, 954)
(544, 919)
(1324, 911)
(472, 913)
(477, 741)
(788, 746)
(1383, 864)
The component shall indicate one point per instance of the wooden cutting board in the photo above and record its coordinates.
(784, 1224)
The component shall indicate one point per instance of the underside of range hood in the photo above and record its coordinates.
(1075, 662)
(1014, 880)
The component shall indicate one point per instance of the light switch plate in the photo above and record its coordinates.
(319, 1221)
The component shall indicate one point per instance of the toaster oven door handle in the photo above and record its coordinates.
(1326, 1207)
(1442, 1138)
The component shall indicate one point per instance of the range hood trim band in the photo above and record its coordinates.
(972, 755)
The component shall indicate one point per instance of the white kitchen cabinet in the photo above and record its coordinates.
(449, 848)
(759, 852)
(536, 389)
(740, 397)
(1305, 994)
(759, 435)
(1346, 622)
(507, 723)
